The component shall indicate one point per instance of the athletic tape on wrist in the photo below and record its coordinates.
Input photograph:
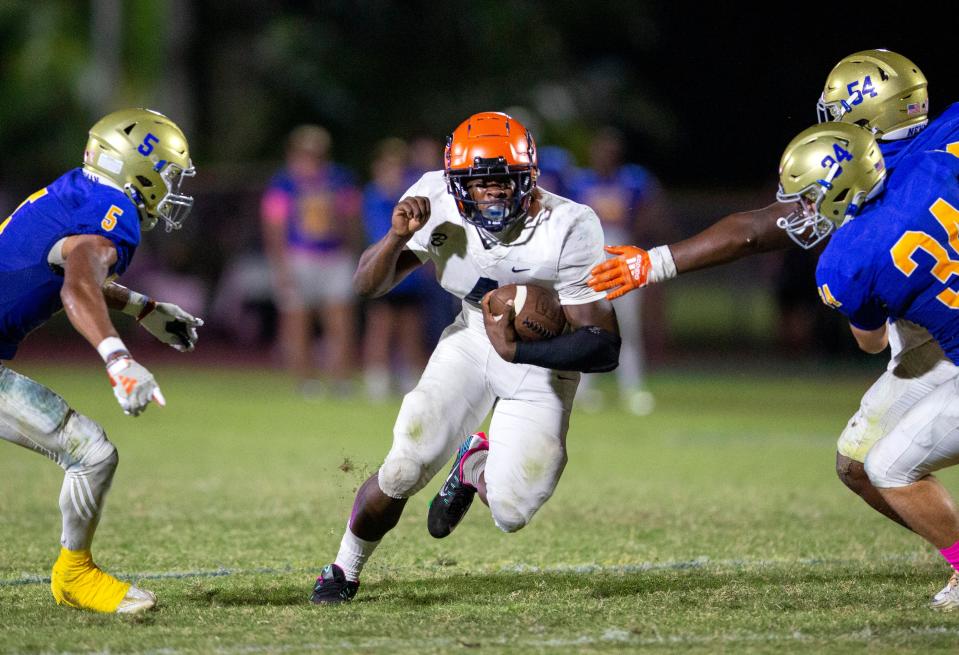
(135, 303)
(109, 347)
(661, 265)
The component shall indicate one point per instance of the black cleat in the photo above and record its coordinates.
(449, 506)
(332, 587)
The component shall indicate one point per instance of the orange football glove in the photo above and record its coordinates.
(627, 271)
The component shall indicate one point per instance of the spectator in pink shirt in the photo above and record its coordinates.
(312, 231)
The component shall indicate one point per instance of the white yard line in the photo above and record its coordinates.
(609, 635)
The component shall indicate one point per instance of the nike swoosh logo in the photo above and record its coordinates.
(564, 378)
(519, 270)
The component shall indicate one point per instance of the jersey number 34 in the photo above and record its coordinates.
(944, 266)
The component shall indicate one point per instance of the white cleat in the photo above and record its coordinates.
(948, 597)
(137, 600)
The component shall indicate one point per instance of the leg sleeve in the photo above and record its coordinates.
(35, 417)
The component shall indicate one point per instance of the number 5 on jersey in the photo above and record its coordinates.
(110, 218)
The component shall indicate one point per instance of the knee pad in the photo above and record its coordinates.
(85, 444)
(507, 514)
(884, 475)
(401, 476)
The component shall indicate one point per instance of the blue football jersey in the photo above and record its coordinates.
(900, 257)
(29, 285)
(942, 133)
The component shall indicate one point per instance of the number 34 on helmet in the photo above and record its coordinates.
(146, 155)
(830, 170)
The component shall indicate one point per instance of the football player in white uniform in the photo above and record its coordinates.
(484, 223)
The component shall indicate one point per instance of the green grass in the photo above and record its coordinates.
(715, 525)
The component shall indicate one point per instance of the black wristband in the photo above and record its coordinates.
(589, 349)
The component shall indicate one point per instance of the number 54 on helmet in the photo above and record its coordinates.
(879, 90)
(144, 153)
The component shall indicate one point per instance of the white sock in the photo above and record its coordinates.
(473, 467)
(353, 554)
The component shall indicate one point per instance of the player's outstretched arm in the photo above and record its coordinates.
(731, 238)
(385, 263)
(592, 347)
(87, 261)
(169, 323)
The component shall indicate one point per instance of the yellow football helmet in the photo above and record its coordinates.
(879, 90)
(145, 154)
(830, 169)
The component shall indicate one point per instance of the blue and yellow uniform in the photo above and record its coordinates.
(900, 257)
(29, 284)
(314, 208)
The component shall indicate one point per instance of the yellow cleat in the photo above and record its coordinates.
(78, 582)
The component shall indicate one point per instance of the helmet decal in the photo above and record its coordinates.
(829, 171)
(879, 90)
(145, 154)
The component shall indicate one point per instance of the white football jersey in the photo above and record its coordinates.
(556, 248)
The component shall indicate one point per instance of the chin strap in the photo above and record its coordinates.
(147, 222)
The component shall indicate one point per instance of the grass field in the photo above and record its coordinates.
(715, 525)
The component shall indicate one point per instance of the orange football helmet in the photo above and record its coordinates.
(491, 145)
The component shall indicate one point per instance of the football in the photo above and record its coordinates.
(538, 312)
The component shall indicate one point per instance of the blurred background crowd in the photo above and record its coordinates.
(663, 116)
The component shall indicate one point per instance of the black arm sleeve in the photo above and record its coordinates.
(589, 349)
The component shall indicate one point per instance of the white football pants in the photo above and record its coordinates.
(925, 440)
(911, 376)
(463, 381)
(35, 417)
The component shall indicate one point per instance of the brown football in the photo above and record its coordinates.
(538, 312)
